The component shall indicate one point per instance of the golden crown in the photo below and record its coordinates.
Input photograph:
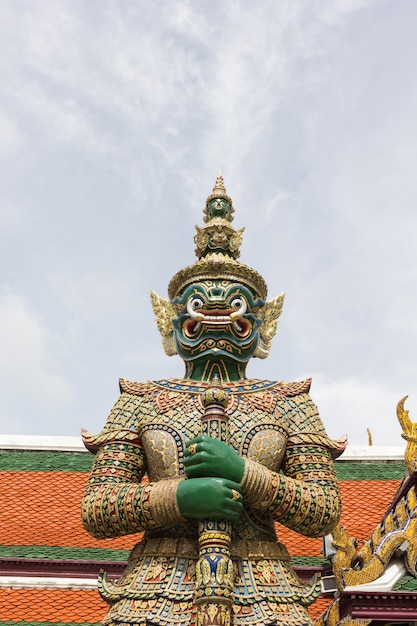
(217, 249)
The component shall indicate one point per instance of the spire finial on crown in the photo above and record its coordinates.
(219, 188)
(217, 249)
(219, 204)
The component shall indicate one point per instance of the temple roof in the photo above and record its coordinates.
(41, 533)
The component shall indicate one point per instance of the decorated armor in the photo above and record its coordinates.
(207, 497)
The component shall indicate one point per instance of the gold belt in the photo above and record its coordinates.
(188, 548)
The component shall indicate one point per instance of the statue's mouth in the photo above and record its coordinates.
(217, 318)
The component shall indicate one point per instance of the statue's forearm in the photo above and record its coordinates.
(126, 508)
(117, 503)
(308, 501)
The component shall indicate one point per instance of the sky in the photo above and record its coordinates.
(115, 117)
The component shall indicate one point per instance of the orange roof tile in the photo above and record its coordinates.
(70, 605)
(51, 605)
(364, 502)
(46, 511)
(319, 607)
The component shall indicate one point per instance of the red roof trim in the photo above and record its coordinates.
(75, 568)
(59, 568)
(376, 605)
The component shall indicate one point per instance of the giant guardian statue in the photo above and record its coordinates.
(206, 464)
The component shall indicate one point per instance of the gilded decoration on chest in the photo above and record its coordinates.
(265, 444)
(168, 399)
(164, 451)
(248, 405)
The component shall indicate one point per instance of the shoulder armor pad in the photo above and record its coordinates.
(93, 442)
(335, 446)
(289, 390)
(136, 389)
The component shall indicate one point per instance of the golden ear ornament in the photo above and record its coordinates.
(164, 315)
(268, 314)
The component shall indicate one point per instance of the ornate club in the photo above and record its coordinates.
(214, 572)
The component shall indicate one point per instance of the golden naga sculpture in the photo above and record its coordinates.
(225, 456)
(396, 533)
(409, 434)
(397, 528)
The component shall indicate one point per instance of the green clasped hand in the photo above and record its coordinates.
(215, 472)
(205, 456)
(209, 498)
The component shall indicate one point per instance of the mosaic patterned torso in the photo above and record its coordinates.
(158, 585)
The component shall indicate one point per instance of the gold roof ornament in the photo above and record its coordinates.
(217, 249)
(409, 434)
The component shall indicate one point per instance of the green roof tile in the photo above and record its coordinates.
(309, 561)
(41, 461)
(50, 461)
(407, 583)
(370, 471)
(59, 552)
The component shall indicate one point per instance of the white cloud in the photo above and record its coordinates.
(116, 118)
(11, 138)
(28, 380)
(358, 405)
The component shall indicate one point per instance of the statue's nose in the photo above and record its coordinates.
(216, 293)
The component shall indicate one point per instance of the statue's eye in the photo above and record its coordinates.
(240, 305)
(237, 303)
(196, 303)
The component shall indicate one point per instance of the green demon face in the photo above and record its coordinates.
(217, 319)
(219, 207)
